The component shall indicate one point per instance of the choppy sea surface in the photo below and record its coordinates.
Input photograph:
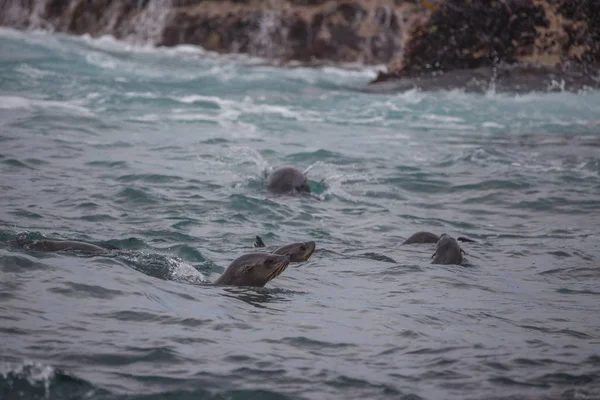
(163, 153)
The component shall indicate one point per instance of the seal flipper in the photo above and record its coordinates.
(258, 242)
(378, 257)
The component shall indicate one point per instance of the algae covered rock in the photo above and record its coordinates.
(484, 33)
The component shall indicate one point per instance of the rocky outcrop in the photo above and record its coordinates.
(363, 31)
(420, 41)
(140, 21)
(546, 35)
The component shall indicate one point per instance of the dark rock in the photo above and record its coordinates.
(350, 31)
(513, 78)
(483, 33)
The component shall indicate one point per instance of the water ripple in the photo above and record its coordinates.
(160, 155)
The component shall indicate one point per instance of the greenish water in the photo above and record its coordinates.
(162, 152)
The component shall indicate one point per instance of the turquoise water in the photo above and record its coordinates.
(162, 152)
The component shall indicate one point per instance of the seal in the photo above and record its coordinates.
(296, 252)
(422, 237)
(62, 245)
(253, 269)
(428, 237)
(447, 251)
(287, 180)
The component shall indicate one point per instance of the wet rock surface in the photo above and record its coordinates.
(559, 38)
(513, 78)
(352, 31)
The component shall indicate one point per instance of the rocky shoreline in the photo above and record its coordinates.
(501, 78)
(512, 44)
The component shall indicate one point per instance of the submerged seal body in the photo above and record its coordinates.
(447, 251)
(287, 180)
(296, 252)
(62, 245)
(428, 237)
(253, 269)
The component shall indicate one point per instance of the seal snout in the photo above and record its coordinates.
(444, 236)
(277, 264)
(308, 248)
(297, 252)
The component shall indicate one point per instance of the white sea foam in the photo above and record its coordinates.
(112, 44)
(34, 73)
(338, 75)
(231, 110)
(37, 371)
(34, 372)
(15, 102)
(147, 118)
(449, 126)
(442, 118)
(244, 154)
(196, 98)
(102, 60)
(354, 70)
(182, 271)
(492, 124)
(141, 95)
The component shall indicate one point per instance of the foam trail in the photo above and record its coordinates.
(183, 272)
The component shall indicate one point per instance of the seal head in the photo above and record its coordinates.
(297, 252)
(287, 180)
(428, 237)
(447, 251)
(422, 237)
(254, 269)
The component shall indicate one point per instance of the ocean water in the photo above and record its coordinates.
(163, 153)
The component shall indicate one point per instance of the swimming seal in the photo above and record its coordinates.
(287, 180)
(428, 237)
(422, 237)
(62, 245)
(296, 252)
(447, 251)
(253, 269)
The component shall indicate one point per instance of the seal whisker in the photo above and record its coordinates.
(278, 271)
